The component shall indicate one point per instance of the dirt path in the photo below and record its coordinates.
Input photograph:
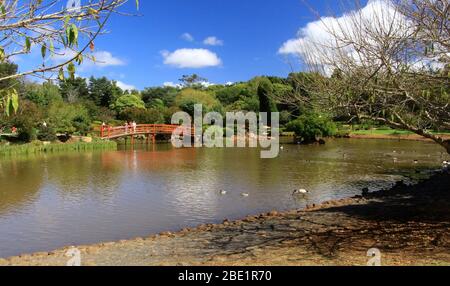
(409, 225)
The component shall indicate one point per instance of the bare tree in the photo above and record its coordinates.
(58, 29)
(390, 65)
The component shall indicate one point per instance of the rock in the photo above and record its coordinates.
(365, 192)
(273, 213)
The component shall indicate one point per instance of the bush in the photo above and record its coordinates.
(25, 129)
(312, 126)
(69, 118)
(46, 134)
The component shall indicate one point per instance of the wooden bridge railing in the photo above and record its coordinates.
(109, 132)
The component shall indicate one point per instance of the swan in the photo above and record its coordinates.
(222, 192)
(300, 191)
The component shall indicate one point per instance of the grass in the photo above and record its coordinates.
(33, 148)
(391, 132)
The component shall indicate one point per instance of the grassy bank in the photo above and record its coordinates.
(391, 132)
(33, 148)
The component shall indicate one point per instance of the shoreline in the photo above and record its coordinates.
(409, 224)
(408, 137)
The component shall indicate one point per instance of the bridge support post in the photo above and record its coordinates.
(132, 140)
(154, 139)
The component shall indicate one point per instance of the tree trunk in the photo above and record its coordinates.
(446, 145)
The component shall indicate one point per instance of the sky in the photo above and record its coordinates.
(221, 40)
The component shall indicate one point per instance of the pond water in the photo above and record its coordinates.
(49, 201)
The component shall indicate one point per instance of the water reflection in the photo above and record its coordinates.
(49, 201)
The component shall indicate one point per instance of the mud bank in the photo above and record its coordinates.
(410, 225)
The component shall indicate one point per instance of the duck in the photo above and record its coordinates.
(300, 191)
(416, 161)
(445, 163)
(245, 195)
(223, 192)
(282, 148)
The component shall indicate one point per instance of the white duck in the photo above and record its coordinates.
(245, 195)
(223, 193)
(301, 192)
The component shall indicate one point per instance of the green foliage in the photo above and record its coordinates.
(73, 90)
(187, 98)
(99, 113)
(103, 91)
(159, 96)
(265, 90)
(192, 81)
(230, 94)
(47, 134)
(25, 129)
(285, 117)
(42, 95)
(37, 147)
(311, 126)
(9, 96)
(143, 116)
(7, 69)
(69, 118)
(128, 101)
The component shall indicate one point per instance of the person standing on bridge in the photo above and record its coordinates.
(126, 127)
(134, 126)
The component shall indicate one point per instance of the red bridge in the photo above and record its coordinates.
(150, 130)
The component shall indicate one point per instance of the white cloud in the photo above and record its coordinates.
(213, 41)
(191, 58)
(315, 43)
(123, 86)
(187, 37)
(172, 84)
(102, 59)
(206, 83)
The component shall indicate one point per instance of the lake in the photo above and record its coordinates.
(48, 201)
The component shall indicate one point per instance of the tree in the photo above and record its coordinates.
(188, 98)
(265, 93)
(128, 101)
(42, 94)
(66, 118)
(103, 91)
(311, 126)
(154, 96)
(143, 116)
(69, 31)
(74, 89)
(192, 80)
(391, 66)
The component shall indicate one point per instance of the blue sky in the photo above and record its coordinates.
(245, 38)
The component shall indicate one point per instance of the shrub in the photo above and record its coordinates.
(69, 118)
(312, 126)
(46, 134)
(25, 129)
